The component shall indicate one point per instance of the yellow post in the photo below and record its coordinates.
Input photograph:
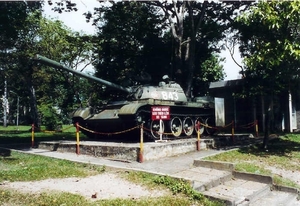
(32, 135)
(77, 138)
(256, 128)
(198, 135)
(232, 131)
(141, 153)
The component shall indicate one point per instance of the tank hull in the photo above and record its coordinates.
(124, 120)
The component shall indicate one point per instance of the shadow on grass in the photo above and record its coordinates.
(5, 152)
(231, 142)
(281, 146)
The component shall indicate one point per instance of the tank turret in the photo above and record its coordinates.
(106, 120)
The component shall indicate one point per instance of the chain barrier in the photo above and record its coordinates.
(247, 126)
(250, 125)
(112, 133)
(233, 127)
(216, 128)
(52, 131)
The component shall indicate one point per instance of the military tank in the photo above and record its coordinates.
(162, 109)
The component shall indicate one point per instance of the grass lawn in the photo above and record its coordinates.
(15, 166)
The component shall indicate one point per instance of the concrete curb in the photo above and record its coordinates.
(215, 165)
(286, 189)
(213, 183)
(253, 177)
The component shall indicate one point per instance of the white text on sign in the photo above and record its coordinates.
(160, 112)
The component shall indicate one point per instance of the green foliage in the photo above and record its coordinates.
(178, 186)
(50, 116)
(51, 38)
(270, 44)
(131, 45)
(12, 21)
(72, 49)
(13, 25)
(211, 70)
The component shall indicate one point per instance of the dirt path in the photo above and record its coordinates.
(109, 185)
(103, 186)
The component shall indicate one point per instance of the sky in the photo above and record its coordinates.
(76, 21)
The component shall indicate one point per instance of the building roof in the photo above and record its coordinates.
(229, 83)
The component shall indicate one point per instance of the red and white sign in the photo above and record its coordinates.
(160, 112)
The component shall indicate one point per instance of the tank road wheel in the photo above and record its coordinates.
(176, 126)
(211, 124)
(155, 128)
(188, 126)
(197, 121)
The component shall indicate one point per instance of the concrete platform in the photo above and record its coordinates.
(128, 151)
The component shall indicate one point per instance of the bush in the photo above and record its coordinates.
(50, 117)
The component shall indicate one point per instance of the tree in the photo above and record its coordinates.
(131, 44)
(211, 70)
(71, 49)
(188, 38)
(196, 28)
(12, 23)
(54, 40)
(12, 17)
(270, 45)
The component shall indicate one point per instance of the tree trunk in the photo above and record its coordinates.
(177, 31)
(190, 59)
(34, 110)
(191, 45)
(178, 61)
(267, 122)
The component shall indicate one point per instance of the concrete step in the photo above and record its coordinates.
(219, 181)
(277, 198)
(238, 191)
(203, 178)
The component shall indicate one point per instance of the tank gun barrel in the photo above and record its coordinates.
(57, 65)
